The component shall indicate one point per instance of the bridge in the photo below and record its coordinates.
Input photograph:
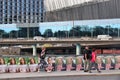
(68, 41)
(77, 42)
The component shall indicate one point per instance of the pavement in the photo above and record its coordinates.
(63, 75)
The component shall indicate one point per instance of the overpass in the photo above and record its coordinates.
(78, 43)
(68, 41)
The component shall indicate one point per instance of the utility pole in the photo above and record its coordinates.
(73, 29)
(118, 32)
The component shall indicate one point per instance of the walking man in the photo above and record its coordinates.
(87, 57)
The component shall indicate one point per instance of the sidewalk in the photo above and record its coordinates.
(58, 74)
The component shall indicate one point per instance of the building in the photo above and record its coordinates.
(28, 14)
(67, 10)
(51, 5)
(21, 11)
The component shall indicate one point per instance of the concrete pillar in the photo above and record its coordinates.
(34, 50)
(78, 49)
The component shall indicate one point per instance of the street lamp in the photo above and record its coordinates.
(1, 35)
(91, 32)
(73, 28)
(67, 31)
(118, 32)
(108, 29)
(17, 35)
(10, 35)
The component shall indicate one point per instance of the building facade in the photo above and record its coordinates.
(21, 11)
(81, 10)
(51, 5)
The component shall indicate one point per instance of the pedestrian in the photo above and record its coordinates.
(93, 61)
(87, 57)
(42, 58)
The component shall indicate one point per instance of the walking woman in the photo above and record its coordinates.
(42, 58)
(93, 62)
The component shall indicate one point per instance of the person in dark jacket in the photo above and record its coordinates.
(87, 57)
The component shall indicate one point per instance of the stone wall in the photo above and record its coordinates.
(10, 51)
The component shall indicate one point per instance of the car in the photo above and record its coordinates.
(20, 38)
(85, 38)
(38, 38)
(52, 39)
(104, 37)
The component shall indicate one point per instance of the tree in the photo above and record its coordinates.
(2, 32)
(22, 32)
(34, 31)
(48, 33)
(75, 31)
(115, 32)
(98, 30)
(13, 34)
(86, 30)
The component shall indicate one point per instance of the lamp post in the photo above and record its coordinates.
(1, 35)
(17, 35)
(108, 30)
(67, 31)
(118, 32)
(73, 28)
(91, 32)
(10, 35)
(18, 28)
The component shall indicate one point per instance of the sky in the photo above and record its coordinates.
(8, 27)
(66, 25)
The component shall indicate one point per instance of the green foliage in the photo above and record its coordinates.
(48, 33)
(76, 31)
(36, 60)
(6, 60)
